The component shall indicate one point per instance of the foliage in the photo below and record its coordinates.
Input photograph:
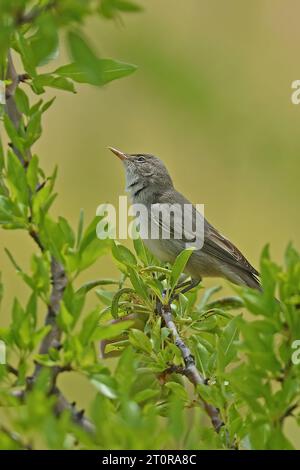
(142, 399)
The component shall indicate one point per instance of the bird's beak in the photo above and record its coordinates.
(120, 155)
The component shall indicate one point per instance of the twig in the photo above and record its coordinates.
(59, 283)
(12, 370)
(288, 412)
(15, 438)
(34, 235)
(78, 417)
(190, 370)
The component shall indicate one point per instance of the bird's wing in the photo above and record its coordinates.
(215, 244)
(220, 247)
(168, 222)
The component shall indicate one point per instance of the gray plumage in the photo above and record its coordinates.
(149, 183)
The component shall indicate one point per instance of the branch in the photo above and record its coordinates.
(288, 412)
(10, 106)
(12, 370)
(15, 438)
(61, 405)
(190, 370)
(59, 283)
(59, 278)
(78, 417)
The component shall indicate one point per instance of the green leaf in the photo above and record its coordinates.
(208, 293)
(179, 265)
(258, 303)
(90, 248)
(44, 42)
(13, 135)
(34, 129)
(278, 441)
(116, 299)
(112, 330)
(22, 101)
(26, 54)
(145, 395)
(105, 296)
(88, 68)
(52, 81)
(138, 284)
(226, 344)
(65, 319)
(41, 202)
(88, 286)
(123, 255)
(110, 8)
(84, 58)
(21, 326)
(53, 237)
(31, 308)
(225, 303)
(89, 325)
(141, 251)
(48, 104)
(80, 228)
(68, 234)
(139, 340)
(39, 335)
(3, 188)
(107, 71)
(11, 215)
(125, 372)
(105, 385)
(178, 390)
(176, 418)
(32, 173)
(16, 179)
(202, 355)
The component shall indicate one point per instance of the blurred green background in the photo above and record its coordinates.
(211, 97)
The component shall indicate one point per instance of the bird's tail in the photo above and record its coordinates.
(244, 277)
(249, 279)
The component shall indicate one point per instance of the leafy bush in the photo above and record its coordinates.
(187, 374)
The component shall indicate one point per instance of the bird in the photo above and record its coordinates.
(150, 184)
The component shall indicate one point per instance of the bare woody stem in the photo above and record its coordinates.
(190, 370)
(58, 274)
(59, 283)
(16, 438)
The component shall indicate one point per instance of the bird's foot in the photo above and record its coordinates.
(184, 287)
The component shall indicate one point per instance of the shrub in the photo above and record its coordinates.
(187, 374)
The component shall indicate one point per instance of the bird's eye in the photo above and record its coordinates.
(140, 159)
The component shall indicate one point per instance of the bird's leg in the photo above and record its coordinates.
(187, 286)
(191, 285)
(182, 284)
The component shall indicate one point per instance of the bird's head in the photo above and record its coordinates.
(144, 172)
